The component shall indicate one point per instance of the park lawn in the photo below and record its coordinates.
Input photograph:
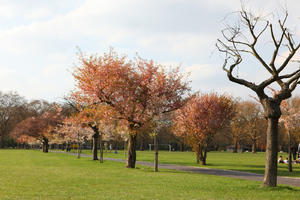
(246, 161)
(27, 174)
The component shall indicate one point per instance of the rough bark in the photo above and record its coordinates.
(156, 153)
(131, 154)
(101, 148)
(233, 45)
(270, 177)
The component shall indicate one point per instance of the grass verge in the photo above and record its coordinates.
(35, 175)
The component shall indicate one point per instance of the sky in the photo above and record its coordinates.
(39, 40)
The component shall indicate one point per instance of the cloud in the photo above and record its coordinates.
(39, 38)
(205, 71)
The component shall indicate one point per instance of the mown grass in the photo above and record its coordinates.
(30, 175)
(246, 161)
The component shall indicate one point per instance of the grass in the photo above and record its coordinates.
(247, 161)
(27, 174)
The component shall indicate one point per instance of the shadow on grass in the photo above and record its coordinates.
(280, 188)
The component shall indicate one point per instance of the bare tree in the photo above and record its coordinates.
(12, 111)
(245, 38)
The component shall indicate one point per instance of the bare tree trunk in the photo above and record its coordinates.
(45, 145)
(290, 152)
(270, 177)
(235, 146)
(101, 148)
(156, 153)
(95, 146)
(131, 154)
(253, 146)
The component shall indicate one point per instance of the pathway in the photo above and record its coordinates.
(218, 172)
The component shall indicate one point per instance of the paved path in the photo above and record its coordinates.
(218, 172)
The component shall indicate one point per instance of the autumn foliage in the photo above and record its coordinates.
(39, 127)
(137, 90)
(200, 119)
(248, 125)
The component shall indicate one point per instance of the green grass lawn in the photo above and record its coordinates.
(27, 174)
(247, 161)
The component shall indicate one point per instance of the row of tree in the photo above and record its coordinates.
(247, 127)
(114, 93)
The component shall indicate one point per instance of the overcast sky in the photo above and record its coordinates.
(39, 39)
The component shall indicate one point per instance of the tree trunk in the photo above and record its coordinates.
(294, 152)
(78, 146)
(203, 152)
(2, 143)
(290, 152)
(235, 147)
(197, 152)
(131, 154)
(181, 147)
(270, 176)
(95, 146)
(45, 145)
(101, 148)
(68, 147)
(156, 153)
(198, 158)
(125, 155)
(142, 147)
(254, 146)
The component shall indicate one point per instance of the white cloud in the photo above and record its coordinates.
(7, 11)
(39, 13)
(39, 41)
(7, 81)
(205, 71)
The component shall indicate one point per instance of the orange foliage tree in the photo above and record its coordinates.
(200, 119)
(100, 119)
(136, 90)
(72, 130)
(39, 128)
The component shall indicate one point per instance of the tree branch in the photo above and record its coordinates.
(237, 80)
